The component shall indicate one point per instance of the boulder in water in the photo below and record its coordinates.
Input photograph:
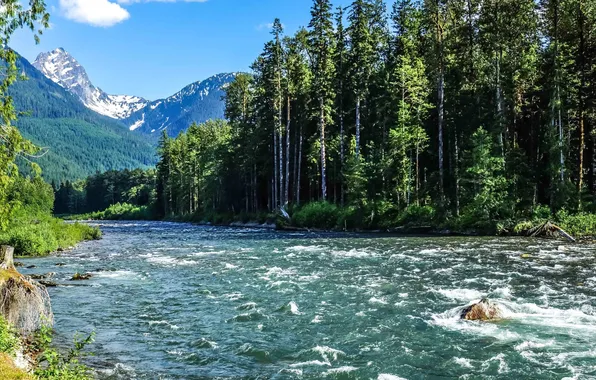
(81, 276)
(481, 311)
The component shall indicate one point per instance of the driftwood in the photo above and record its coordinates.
(549, 229)
(6, 257)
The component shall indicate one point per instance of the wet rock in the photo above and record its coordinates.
(60, 249)
(81, 276)
(526, 256)
(48, 284)
(481, 311)
(60, 264)
(31, 266)
(42, 276)
(18, 264)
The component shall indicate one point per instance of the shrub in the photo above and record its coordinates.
(8, 338)
(321, 215)
(582, 224)
(417, 216)
(52, 365)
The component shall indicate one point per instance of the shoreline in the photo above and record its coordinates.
(425, 231)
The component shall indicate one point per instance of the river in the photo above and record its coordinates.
(179, 301)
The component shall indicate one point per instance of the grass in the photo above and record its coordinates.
(31, 236)
(8, 371)
(9, 342)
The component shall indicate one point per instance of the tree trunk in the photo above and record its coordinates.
(275, 172)
(342, 153)
(287, 185)
(323, 156)
(280, 162)
(358, 127)
(6, 257)
(298, 176)
(441, 143)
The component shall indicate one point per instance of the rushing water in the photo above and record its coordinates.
(177, 301)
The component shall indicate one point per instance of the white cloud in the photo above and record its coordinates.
(104, 12)
(94, 12)
(126, 2)
(267, 26)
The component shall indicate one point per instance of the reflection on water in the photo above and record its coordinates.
(177, 301)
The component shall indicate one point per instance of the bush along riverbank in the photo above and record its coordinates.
(26, 319)
(31, 229)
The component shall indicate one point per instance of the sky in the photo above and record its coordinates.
(154, 48)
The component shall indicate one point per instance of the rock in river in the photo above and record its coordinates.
(485, 310)
(81, 276)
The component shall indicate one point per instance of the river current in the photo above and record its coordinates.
(179, 301)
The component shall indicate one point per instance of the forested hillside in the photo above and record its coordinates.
(77, 142)
(474, 112)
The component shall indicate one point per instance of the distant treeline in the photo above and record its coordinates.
(99, 191)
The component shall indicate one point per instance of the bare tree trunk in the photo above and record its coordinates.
(582, 127)
(275, 171)
(323, 156)
(441, 105)
(457, 180)
(298, 175)
(342, 152)
(358, 127)
(287, 185)
(280, 162)
(441, 142)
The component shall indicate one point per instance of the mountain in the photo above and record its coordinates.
(79, 141)
(197, 102)
(63, 69)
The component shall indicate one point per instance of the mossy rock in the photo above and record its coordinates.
(81, 276)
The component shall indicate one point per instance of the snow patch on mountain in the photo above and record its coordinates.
(59, 66)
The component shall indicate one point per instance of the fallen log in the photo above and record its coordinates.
(549, 229)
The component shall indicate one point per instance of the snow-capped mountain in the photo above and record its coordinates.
(62, 68)
(197, 102)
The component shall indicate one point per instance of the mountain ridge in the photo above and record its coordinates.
(63, 69)
(196, 102)
(80, 141)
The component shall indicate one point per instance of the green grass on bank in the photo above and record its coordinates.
(42, 234)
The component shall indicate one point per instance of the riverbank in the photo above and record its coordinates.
(326, 217)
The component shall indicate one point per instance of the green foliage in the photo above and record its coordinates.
(53, 365)
(323, 215)
(580, 224)
(417, 216)
(32, 230)
(487, 186)
(119, 211)
(8, 338)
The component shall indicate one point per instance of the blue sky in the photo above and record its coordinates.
(153, 48)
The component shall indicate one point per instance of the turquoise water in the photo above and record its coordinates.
(177, 301)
